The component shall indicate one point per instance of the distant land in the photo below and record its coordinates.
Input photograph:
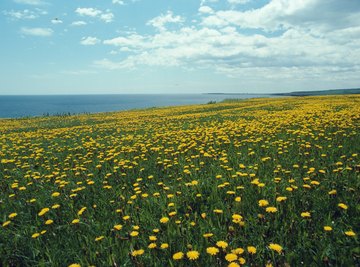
(305, 93)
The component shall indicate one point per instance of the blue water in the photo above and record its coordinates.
(25, 106)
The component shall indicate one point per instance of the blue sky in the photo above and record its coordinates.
(178, 46)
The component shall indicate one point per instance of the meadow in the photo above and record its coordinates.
(259, 182)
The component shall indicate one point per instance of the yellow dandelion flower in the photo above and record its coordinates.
(12, 215)
(74, 265)
(263, 203)
(6, 223)
(164, 220)
(280, 199)
(152, 245)
(55, 194)
(75, 221)
(207, 235)
(134, 233)
(350, 233)
(36, 235)
(192, 255)
(233, 264)
(328, 228)
(306, 214)
(178, 256)
(48, 222)
(231, 257)
(118, 227)
(222, 244)
(138, 252)
(238, 251)
(343, 206)
(251, 249)
(43, 211)
(212, 250)
(164, 246)
(242, 261)
(99, 238)
(276, 247)
(271, 209)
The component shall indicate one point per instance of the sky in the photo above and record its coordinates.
(178, 46)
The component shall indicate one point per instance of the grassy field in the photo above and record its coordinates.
(261, 182)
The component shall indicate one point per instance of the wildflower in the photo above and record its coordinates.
(6, 223)
(222, 244)
(74, 265)
(238, 199)
(332, 192)
(218, 211)
(251, 249)
(238, 251)
(328, 228)
(137, 252)
(231, 257)
(164, 246)
(43, 211)
(152, 238)
(193, 255)
(263, 203)
(55, 194)
(164, 219)
(99, 238)
(152, 245)
(13, 215)
(49, 222)
(75, 221)
(306, 214)
(233, 264)
(212, 250)
(56, 206)
(36, 235)
(134, 233)
(242, 260)
(271, 209)
(343, 206)
(350, 233)
(276, 247)
(118, 227)
(280, 199)
(178, 256)
(208, 235)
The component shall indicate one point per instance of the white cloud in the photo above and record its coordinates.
(78, 23)
(206, 10)
(118, 2)
(106, 16)
(236, 2)
(160, 21)
(89, 40)
(56, 21)
(30, 2)
(25, 14)
(43, 32)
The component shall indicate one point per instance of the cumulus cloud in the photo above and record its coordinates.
(118, 2)
(89, 40)
(206, 10)
(30, 2)
(78, 23)
(236, 2)
(106, 16)
(42, 32)
(24, 14)
(160, 21)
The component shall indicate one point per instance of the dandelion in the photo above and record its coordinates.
(55, 194)
(164, 220)
(178, 256)
(222, 244)
(75, 221)
(12, 215)
(276, 247)
(263, 203)
(327, 228)
(192, 255)
(74, 265)
(233, 264)
(280, 199)
(48, 222)
(134, 233)
(231, 257)
(251, 249)
(306, 214)
(138, 252)
(99, 238)
(212, 251)
(118, 227)
(43, 211)
(271, 209)
(152, 245)
(343, 206)
(238, 251)
(350, 233)
(164, 246)
(6, 223)
(36, 235)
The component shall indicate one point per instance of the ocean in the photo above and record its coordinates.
(39, 105)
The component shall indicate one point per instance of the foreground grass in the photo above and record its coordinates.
(256, 182)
